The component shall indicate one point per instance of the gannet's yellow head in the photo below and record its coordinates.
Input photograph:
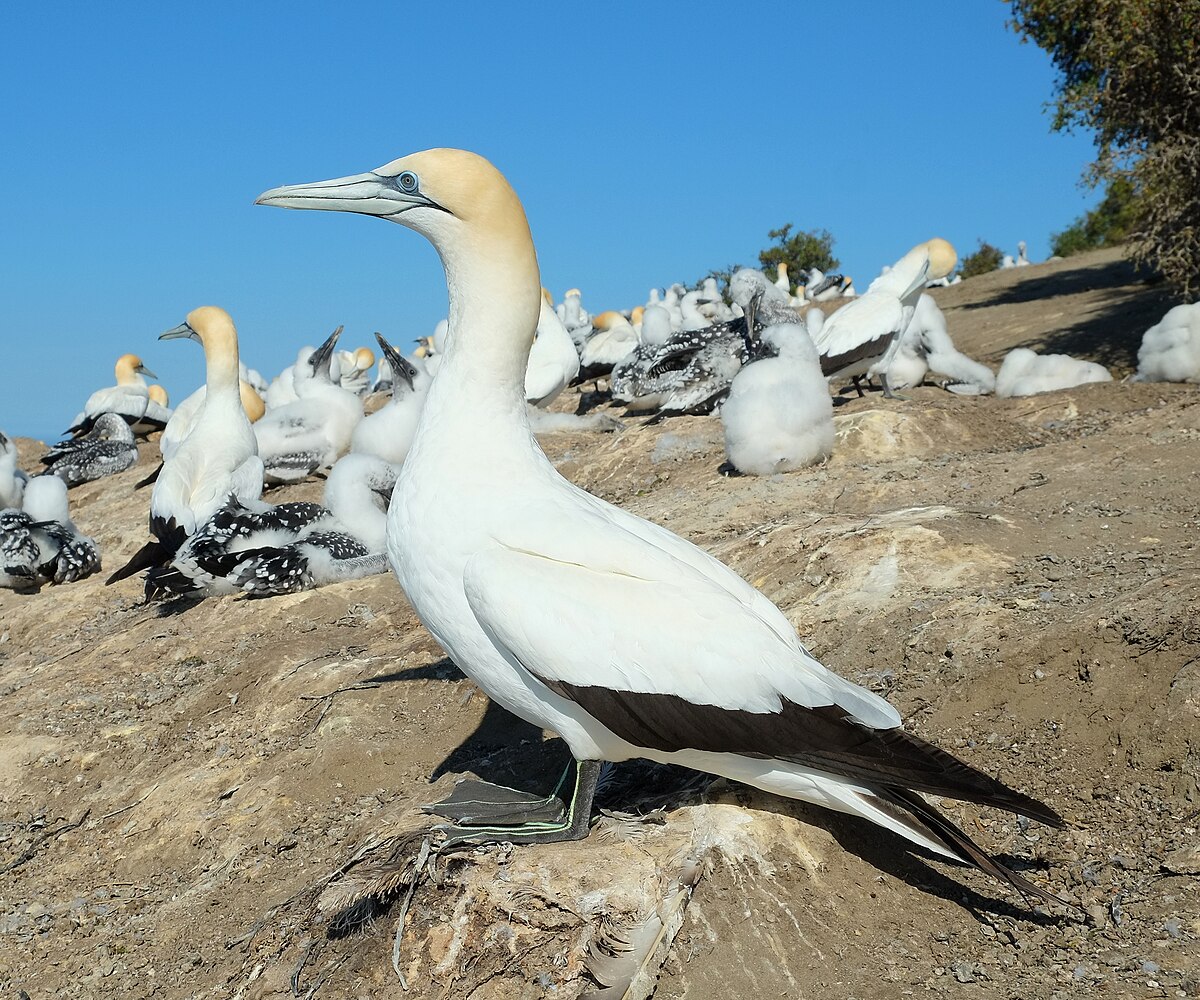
(364, 358)
(635, 316)
(159, 395)
(781, 269)
(129, 367)
(252, 402)
(460, 203)
(606, 319)
(573, 293)
(211, 327)
(942, 257)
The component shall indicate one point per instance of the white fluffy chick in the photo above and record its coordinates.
(1170, 350)
(779, 414)
(1026, 373)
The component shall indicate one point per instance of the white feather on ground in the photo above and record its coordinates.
(1170, 350)
(779, 415)
(1026, 373)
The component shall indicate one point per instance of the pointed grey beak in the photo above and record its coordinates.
(400, 364)
(145, 371)
(319, 359)
(366, 194)
(180, 332)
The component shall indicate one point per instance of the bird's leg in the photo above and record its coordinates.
(887, 389)
(487, 813)
(856, 381)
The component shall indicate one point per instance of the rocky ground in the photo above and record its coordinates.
(222, 800)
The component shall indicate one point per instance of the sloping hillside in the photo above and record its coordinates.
(193, 797)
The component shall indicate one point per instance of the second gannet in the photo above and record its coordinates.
(860, 333)
(354, 369)
(388, 432)
(926, 346)
(128, 398)
(158, 411)
(1170, 350)
(1026, 373)
(219, 455)
(553, 360)
(582, 618)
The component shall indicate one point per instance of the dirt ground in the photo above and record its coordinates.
(222, 800)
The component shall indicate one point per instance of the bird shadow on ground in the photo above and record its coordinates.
(907, 862)
(444, 669)
(1110, 328)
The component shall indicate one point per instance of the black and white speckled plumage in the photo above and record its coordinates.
(34, 552)
(321, 558)
(106, 449)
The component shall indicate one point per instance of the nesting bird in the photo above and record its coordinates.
(521, 576)
(779, 414)
(926, 346)
(129, 398)
(1170, 350)
(388, 432)
(104, 450)
(40, 544)
(12, 479)
(1026, 373)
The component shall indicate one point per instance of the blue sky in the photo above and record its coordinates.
(648, 145)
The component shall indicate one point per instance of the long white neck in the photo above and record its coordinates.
(222, 374)
(495, 298)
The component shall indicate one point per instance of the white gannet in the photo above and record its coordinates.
(926, 346)
(858, 334)
(158, 411)
(782, 281)
(693, 318)
(265, 551)
(1170, 350)
(282, 389)
(312, 432)
(824, 287)
(106, 449)
(1022, 260)
(582, 618)
(12, 479)
(779, 414)
(354, 369)
(574, 317)
(219, 455)
(613, 338)
(388, 432)
(553, 360)
(1006, 262)
(1025, 373)
(128, 399)
(40, 544)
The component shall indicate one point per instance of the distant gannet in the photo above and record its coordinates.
(859, 334)
(354, 368)
(1025, 373)
(219, 455)
(311, 433)
(1170, 350)
(12, 479)
(158, 411)
(388, 432)
(106, 449)
(779, 414)
(823, 287)
(582, 618)
(128, 399)
(40, 544)
(267, 550)
(782, 281)
(926, 346)
(613, 338)
(1022, 260)
(553, 360)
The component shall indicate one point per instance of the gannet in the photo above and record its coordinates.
(12, 479)
(613, 338)
(40, 544)
(353, 369)
(574, 317)
(825, 287)
(860, 333)
(129, 398)
(1025, 373)
(312, 432)
(782, 281)
(388, 432)
(926, 346)
(714, 307)
(693, 318)
(1170, 350)
(553, 360)
(251, 376)
(1022, 260)
(582, 618)
(106, 449)
(219, 455)
(779, 414)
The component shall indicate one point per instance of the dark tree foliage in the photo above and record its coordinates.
(984, 260)
(1129, 70)
(800, 252)
(1106, 225)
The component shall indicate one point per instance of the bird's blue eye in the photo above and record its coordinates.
(407, 182)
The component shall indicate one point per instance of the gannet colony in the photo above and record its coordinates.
(575, 615)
